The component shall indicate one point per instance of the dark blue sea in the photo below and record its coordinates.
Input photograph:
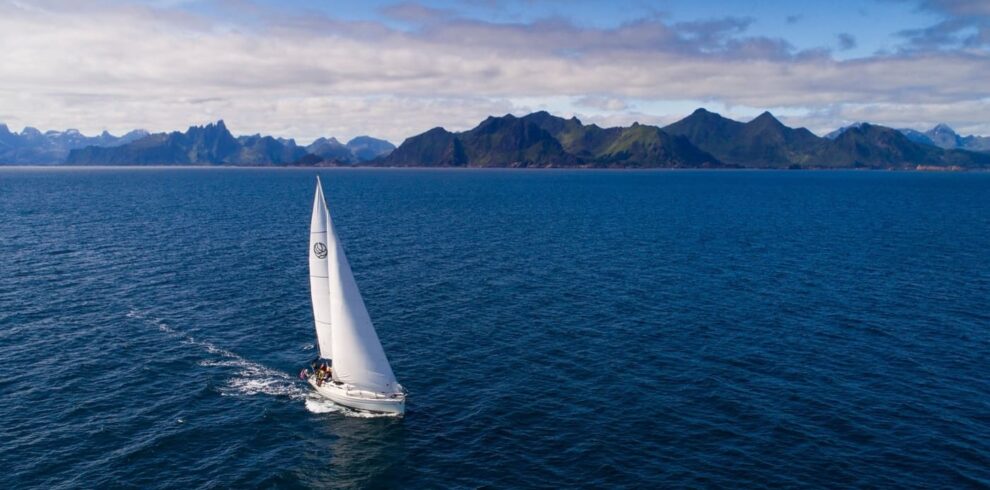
(554, 329)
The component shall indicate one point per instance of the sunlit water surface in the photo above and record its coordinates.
(553, 328)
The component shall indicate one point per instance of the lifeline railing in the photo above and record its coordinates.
(377, 395)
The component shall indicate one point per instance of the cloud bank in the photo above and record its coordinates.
(114, 65)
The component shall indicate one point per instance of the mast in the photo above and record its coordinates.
(318, 273)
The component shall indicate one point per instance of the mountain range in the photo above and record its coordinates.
(357, 150)
(702, 140)
(941, 136)
(543, 140)
(212, 144)
(32, 147)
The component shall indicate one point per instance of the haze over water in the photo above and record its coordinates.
(553, 328)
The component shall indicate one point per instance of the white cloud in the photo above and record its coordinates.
(603, 103)
(115, 66)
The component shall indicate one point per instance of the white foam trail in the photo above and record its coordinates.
(318, 404)
(253, 378)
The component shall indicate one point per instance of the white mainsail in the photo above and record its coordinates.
(319, 273)
(358, 357)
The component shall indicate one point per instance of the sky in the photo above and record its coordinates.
(306, 69)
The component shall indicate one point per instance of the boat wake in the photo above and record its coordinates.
(252, 378)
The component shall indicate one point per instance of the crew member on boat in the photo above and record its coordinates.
(323, 373)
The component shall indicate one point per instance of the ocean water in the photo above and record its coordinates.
(554, 329)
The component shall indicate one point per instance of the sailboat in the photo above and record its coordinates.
(360, 376)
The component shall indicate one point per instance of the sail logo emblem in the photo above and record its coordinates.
(320, 250)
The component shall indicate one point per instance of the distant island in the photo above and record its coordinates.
(31, 146)
(212, 144)
(539, 140)
(702, 140)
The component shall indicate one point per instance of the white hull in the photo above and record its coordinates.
(361, 400)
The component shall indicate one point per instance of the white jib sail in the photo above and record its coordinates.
(358, 357)
(319, 274)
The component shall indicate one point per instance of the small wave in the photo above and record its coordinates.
(317, 404)
(153, 321)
